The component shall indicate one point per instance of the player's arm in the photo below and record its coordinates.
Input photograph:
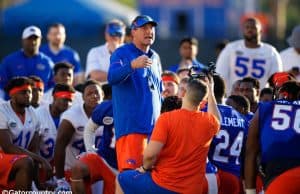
(276, 63)
(64, 135)
(158, 139)
(89, 135)
(211, 101)
(78, 78)
(94, 67)
(92, 63)
(150, 154)
(6, 143)
(98, 75)
(34, 145)
(8, 147)
(118, 69)
(252, 150)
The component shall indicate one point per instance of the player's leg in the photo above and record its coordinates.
(80, 171)
(132, 181)
(21, 172)
(287, 182)
(99, 169)
(229, 183)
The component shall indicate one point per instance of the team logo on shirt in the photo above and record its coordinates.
(239, 52)
(108, 120)
(40, 66)
(12, 124)
(80, 128)
(131, 161)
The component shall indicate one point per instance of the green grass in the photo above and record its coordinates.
(130, 3)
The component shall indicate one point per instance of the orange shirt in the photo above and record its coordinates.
(186, 136)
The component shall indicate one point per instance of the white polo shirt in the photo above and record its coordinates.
(98, 58)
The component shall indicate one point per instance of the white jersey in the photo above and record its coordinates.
(48, 98)
(48, 132)
(78, 118)
(21, 133)
(97, 59)
(236, 61)
(290, 58)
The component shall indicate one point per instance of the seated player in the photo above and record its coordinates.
(99, 164)
(69, 141)
(19, 130)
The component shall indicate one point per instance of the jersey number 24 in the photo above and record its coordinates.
(234, 149)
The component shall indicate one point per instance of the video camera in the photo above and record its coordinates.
(197, 72)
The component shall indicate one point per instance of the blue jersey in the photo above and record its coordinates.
(195, 63)
(66, 54)
(249, 116)
(103, 116)
(18, 64)
(136, 93)
(226, 146)
(279, 124)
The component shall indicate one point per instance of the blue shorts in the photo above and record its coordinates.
(134, 182)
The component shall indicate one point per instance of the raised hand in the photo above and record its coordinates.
(141, 62)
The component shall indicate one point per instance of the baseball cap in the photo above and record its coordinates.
(141, 20)
(31, 30)
(294, 39)
(115, 29)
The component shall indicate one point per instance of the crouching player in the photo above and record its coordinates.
(102, 164)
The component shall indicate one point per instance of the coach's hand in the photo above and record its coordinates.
(141, 62)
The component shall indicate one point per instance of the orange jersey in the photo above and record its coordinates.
(186, 136)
